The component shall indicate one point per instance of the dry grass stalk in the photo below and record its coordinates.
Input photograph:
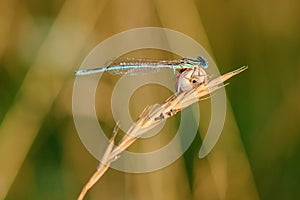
(152, 116)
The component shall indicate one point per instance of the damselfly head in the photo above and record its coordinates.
(203, 62)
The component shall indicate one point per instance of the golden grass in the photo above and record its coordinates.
(152, 116)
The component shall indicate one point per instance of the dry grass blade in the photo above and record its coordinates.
(103, 166)
(151, 117)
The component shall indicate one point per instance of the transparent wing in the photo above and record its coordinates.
(140, 66)
(133, 70)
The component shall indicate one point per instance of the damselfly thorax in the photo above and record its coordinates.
(190, 72)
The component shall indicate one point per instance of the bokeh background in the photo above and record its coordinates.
(43, 42)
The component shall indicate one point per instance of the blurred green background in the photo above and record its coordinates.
(43, 42)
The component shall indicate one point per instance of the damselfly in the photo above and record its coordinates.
(190, 72)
